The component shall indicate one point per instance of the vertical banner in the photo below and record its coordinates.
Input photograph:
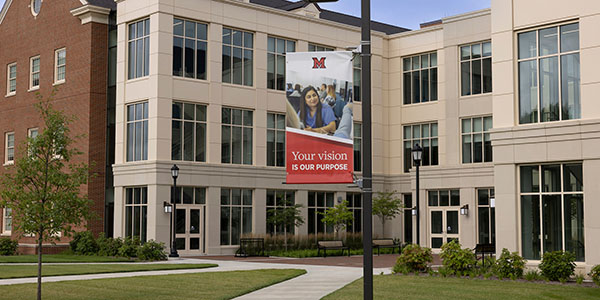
(319, 143)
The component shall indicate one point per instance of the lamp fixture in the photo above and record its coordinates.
(464, 210)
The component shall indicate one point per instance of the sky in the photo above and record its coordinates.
(404, 13)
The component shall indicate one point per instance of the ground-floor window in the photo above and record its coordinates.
(190, 225)
(136, 212)
(355, 206)
(443, 211)
(408, 220)
(318, 202)
(552, 209)
(6, 221)
(236, 215)
(486, 216)
(277, 202)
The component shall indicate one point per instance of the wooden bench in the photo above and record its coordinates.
(483, 249)
(251, 247)
(331, 245)
(385, 243)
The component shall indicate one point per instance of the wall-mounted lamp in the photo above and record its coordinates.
(168, 207)
(492, 202)
(414, 211)
(464, 210)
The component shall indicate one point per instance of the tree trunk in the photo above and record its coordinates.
(39, 281)
(285, 238)
(383, 227)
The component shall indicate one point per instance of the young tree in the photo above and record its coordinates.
(288, 216)
(43, 186)
(338, 216)
(386, 206)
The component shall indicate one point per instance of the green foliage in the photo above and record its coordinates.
(152, 250)
(109, 246)
(386, 206)
(8, 246)
(509, 265)
(533, 275)
(338, 216)
(558, 265)
(130, 247)
(457, 260)
(285, 217)
(579, 278)
(595, 274)
(84, 243)
(413, 258)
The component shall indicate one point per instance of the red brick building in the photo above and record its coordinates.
(62, 45)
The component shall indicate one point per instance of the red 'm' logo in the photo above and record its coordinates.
(319, 63)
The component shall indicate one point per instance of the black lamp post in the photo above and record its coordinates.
(174, 198)
(417, 153)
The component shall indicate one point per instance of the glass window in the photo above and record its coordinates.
(237, 57)
(277, 201)
(60, 65)
(318, 202)
(139, 49)
(236, 215)
(275, 140)
(6, 221)
(188, 135)
(476, 140)
(236, 136)
(426, 136)
(189, 195)
(136, 212)
(476, 69)
(137, 131)
(9, 148)
(34, 80)
(190, 40)
(357, 147)
(420, 78)
(408, 220)
(318, 48)
(276, 50)
(443, 198)
(355, 207)
(486, 216)
(11, 82)
(549, 74)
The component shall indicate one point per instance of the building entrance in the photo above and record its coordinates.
(190, 229)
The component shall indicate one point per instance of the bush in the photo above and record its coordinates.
(152, 250)
(414, 258)
(84, 243)
(595, 274)
(8, 246)
(109, 246)
(456, 260)
(509, 265)
(558, 265)
(533, 275)
(130, 247)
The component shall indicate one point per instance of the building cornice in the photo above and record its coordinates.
(469, 15)
(91, 13)
(4, 10)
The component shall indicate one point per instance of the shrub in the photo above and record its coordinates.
(579, 278)
(509, 265)
(130, 247)
(595, 274)
(558, 265)
(152, 250)
(84, 243)
(457, 260)
(532, 275)
(8, 246)
(414, 258)
(109, 246)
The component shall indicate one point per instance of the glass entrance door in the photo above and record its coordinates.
(190, 229)
(443, 226)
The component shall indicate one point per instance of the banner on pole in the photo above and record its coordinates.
(319, 127)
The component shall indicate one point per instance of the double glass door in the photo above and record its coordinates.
(443, 226)
(189, 228)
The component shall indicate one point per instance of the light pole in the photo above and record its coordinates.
(417, 153)
(174, 198)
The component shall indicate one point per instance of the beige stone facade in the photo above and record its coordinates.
(513, 144)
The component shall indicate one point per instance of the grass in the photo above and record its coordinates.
(313, 252)
(212, 285)
(426, 287)
(20, 271)
(61, 258)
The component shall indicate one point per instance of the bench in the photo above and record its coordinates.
(331, 245)
(483, 249)
(385, 243)
(251, 247)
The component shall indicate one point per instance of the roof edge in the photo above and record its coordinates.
(4, 10)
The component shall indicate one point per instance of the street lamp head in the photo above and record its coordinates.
(175, 171)
(417, 153)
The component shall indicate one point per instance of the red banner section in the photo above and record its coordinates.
(312, 158)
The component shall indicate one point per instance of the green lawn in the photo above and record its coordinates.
(426, 287)
(61, 258)
(212, 285)
(19, 271)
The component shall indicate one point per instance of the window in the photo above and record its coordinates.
(60, 65)
(136, 212)
(237, 56)
(188, 136)
(426, 136)
(476, 141)
(356, 69)
(550, 193)
(11, 83)
(276, 50)
(318, 48)
(408, 220)
(9, 148)
(236, 136)
(189, 49)
(443, 198)
(486, 216)
(34, 79)
(355, 206)
(357, 147)
(275, 140)
(32, 132)
(420, 78)
(190, 195)
(236, 215)
(318, 202)
(476, 69)
(6, 221)
(137, 131)
(553, 53)
(139, 48)
(276, 202)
